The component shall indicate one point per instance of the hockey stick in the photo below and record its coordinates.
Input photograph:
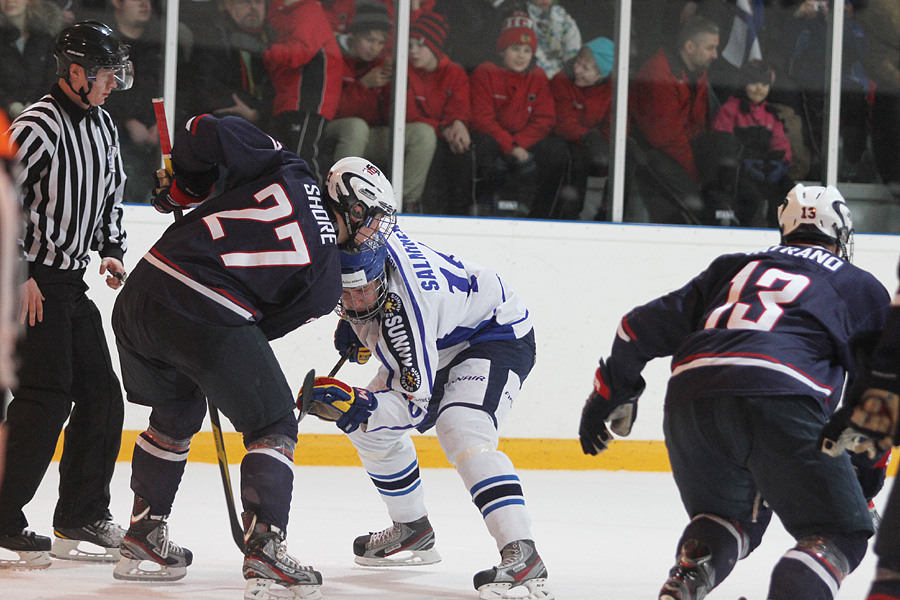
(237, 530)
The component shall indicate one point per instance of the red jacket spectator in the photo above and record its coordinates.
(754, 114)
(440, 97)
(578, 110)
(516, 109)
(305, 63)
(669, 108)
(369, 104)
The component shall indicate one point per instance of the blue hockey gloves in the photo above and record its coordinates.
(334, 400)
(610, 403)
(345, 338)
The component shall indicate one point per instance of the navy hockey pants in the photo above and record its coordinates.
(724, 450)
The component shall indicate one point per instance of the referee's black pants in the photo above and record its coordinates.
(65, 367)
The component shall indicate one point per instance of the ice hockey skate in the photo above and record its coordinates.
(401, 544)
(147, 553)
(691, 578)
(97, 542)
(33, 551)
(272, 573)
(521, 574)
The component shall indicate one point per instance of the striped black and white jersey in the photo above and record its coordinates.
(71, 182)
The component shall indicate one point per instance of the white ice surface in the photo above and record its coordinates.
(603, 535)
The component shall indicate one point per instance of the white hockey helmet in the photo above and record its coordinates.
(364, 198)
(818, 215)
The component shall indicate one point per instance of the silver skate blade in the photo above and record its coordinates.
(851, 440)
(80, 550)
(533, 589)
(135, 569)
(26, 560)
(269, 589)
(407, 558)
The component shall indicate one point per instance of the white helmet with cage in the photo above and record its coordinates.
(818, 215)
(364, 198)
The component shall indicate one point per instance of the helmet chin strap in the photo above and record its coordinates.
(80, 91)
(84, 95)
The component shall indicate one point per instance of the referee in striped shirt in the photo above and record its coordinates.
(71, 183)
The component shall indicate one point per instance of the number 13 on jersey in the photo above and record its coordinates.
(777, 288)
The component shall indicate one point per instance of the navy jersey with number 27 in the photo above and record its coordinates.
(264, 251)
(775, 322)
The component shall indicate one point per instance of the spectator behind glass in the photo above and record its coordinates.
(881, 23)
(132, 111)
(766, 151)
(365, 93)
(807, 35)
(438, 96)
(227, 64)
(306, 69)
(745, 29)
(582, 92)
(558, 36)
(474, 27)
(519, 167)
(28, 30)
(688, 171)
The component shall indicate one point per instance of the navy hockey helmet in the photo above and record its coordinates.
(817, 215)
(364, 279)
(364, 198)
(95, 47)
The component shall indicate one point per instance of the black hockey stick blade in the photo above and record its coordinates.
(306, 399)
(237, 531)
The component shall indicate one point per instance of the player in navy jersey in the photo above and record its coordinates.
(760, 344)
(867, 423)
(455, 344)
(242, 268)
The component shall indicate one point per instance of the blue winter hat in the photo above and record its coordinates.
(602, 49)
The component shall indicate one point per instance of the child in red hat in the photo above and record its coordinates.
(519, 166)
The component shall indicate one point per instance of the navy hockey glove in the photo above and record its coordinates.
(184, 190)
(615, 405)
(345, 338)
(334, 400)
(867, 420)
(870, 473)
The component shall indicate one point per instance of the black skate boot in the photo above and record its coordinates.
(97, 542)
(33, 550)
(520, 570)
(399, 545)
(147, 553)
(266, 563)
(692, 578)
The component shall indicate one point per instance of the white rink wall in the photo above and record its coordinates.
(577, 279)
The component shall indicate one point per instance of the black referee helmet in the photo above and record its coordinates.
(94, 46)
